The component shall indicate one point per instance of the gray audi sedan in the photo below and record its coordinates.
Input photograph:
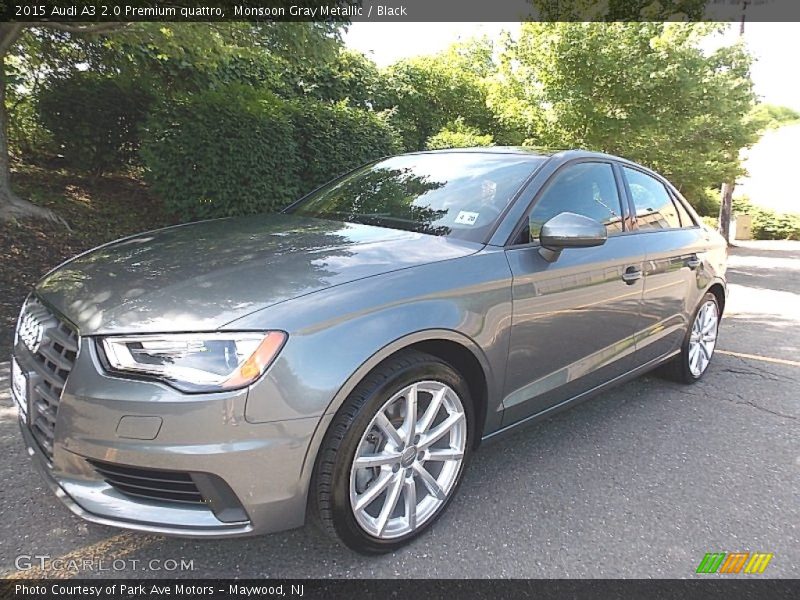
(344, 358)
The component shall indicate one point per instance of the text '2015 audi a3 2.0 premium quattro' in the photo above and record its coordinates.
(343, 358)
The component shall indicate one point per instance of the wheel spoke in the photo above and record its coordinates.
(440, 430)
(410, 498)
(443, 454)
(694, 360)
(391, 502)
(376, 460)
(431, 412)
(374, 490)
(394, 448)
(708, 328)
(410, 422)
(704, 350)
(388, 429)
(430, 482)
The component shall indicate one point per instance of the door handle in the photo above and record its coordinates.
(632, 275)
(693, 262)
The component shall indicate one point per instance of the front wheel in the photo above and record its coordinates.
(394, 454)
(698, 345)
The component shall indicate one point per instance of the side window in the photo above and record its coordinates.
(586, 189)
(686, 218)
(654, 207)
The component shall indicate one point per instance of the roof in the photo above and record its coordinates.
(541, 152)
(494, 150)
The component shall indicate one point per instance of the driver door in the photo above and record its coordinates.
(573, 319)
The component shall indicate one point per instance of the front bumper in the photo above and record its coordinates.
(99, 502)
(254, 476)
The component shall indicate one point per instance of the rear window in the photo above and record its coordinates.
(654, 206)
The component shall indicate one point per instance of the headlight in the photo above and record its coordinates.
(195, 362)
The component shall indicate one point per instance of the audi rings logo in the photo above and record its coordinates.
(30, 332)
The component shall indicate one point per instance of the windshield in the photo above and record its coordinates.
(457, 194)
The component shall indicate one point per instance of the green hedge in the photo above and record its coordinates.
(333, 139)
(238, 150)
(768, 224)
(458, 135)
(94, 119)
(221, 153)
(707, 203)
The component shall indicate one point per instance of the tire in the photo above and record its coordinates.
(684, 368)
(341, 492)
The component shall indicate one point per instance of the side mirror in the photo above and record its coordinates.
(569, 230)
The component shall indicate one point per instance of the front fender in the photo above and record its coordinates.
(336, 336)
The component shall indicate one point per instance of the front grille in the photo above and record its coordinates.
(150, 484)
(52, 362)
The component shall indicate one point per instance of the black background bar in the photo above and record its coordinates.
(394, 10)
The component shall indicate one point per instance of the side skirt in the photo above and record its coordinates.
(575, 400)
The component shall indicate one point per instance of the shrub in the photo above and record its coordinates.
(332, 139)
(225, 152)
(712, 222)
(768, 224)
(28, 139)
(94, 119)
(458, 135)
(707, 203)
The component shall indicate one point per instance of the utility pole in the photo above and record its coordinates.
(726, 203)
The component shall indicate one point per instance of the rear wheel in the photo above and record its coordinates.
(698, 345)
(394, 454)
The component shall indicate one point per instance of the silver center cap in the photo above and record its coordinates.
(408, 456)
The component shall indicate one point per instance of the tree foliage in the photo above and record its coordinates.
(221, 153)
(426, 93)
(772, 116)
(94, 119)
(239, 150)
(458, 135)
(645, 91)
(619, 10)
(332, 139)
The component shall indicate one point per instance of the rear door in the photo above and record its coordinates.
(573, 319)
(673, 280)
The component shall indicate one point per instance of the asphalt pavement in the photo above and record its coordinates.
(641, 481)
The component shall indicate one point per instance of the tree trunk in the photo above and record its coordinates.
(725, 211)
(12, 206)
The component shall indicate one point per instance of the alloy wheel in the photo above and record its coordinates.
(408, 460)
(703, 338)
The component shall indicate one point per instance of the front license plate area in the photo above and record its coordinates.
(19, 389)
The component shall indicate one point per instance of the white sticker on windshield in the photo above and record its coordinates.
(467, 218)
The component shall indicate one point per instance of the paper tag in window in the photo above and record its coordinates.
(467, 218)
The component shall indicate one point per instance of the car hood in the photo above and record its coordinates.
(203, 275)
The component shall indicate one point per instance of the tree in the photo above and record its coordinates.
(773, 116)
(180, 57)
(645, 91)
(618, 10)
(427, 93)
(345, 75)
(726, 205)
(458, 135)
(11, 205)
